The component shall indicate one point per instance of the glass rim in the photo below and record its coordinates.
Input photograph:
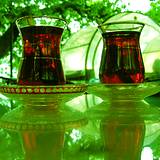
(120, 22)
(121, 26)
(36, 17)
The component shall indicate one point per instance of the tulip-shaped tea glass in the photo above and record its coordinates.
(121, 58)
(124, 114)
(41, 63)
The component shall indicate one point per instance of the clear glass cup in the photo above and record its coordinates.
(41, 62)
(121, 60)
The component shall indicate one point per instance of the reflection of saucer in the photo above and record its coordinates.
(125, 91)
(42, 95)
(122, 109)
(24, 118)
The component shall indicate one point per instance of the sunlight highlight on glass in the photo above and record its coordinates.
(147, 154)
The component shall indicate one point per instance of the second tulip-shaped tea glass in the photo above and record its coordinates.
(41, 63)
(121, 58)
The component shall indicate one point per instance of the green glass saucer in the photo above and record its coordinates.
(42, 108)
(34, 96)
(125, 90)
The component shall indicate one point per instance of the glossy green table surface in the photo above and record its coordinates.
(84, 136)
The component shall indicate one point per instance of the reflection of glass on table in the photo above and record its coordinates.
(42, 118)
(123, 116)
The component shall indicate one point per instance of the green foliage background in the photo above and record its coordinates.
(86, 12)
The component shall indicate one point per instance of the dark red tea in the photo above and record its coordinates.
(121, 59)
(41, 62)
